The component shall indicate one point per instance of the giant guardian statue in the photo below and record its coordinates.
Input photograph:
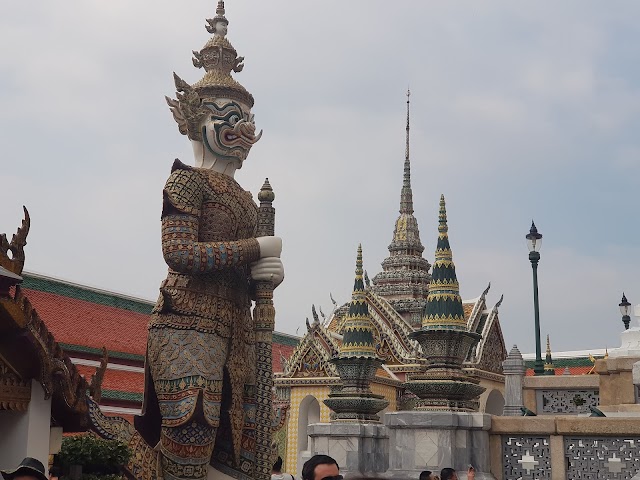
(207, 401)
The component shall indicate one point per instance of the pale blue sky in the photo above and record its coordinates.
(519, 111)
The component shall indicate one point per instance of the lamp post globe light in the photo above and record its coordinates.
(625, 310)
(534, 242)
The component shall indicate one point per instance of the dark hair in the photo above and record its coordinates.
(55, 471)
(425, 475)
(447, 473)
(278, 465)
(309, 467)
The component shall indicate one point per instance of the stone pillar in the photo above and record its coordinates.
(361, 449)
(514, 371)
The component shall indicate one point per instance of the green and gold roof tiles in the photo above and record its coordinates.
(444, 304)
(357, 334)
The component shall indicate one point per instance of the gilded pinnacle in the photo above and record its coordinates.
(549, 369)
(359, 270)
(442, 216)
(548, 345)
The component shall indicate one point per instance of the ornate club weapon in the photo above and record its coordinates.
(264, 315)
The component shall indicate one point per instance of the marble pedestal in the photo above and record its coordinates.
(361, 449)
(420, 440)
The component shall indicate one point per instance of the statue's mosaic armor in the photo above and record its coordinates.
(201, 345)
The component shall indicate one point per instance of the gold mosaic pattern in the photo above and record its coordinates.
(297, 395)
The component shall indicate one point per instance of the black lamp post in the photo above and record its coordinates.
(625, 309)
(534, 241)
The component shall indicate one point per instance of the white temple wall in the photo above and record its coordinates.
(26, 434)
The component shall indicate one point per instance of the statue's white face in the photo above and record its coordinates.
(229, 132)
(221, 28)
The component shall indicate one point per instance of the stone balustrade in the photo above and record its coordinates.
(562, 394)
(564, 447)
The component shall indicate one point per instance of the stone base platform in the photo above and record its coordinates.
(421, 440)
(408, 443)
(361, 449)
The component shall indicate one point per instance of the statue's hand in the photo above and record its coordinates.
(269, 268)
(270, 246)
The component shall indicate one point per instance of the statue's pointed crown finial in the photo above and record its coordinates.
(219, 59)
(211, 22)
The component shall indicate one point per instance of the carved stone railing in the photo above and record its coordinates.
(594, 458)
(526, 457)
(561, 394)
(565, 448)
(566, 402)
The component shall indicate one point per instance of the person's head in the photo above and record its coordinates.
(426, 475)
(277, 467)
(448, 474)
(29, 469)
(55, 472)
(321, 467)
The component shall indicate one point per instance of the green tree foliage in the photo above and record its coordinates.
(100, 459)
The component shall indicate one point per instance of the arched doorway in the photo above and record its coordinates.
(495, 403)
(308, 413)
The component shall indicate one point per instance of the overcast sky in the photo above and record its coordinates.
(519, 110)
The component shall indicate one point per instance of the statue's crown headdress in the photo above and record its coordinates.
(219, 59)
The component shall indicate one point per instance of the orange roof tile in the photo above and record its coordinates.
(80, 322)
(579, 370)
(116, 379)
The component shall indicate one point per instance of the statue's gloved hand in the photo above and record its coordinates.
(270, 246)
(269, 268)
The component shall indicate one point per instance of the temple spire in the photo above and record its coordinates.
(444, 338)
(549, 369)
(405, 277)
(357, 362)
(406, 196)
(357, 340)
(444, 304)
